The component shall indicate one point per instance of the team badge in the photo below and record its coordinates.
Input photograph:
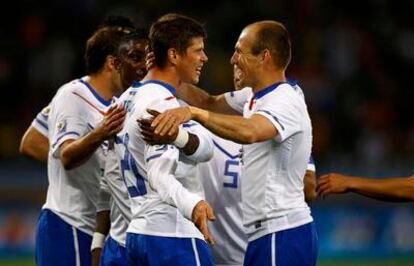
(61, 127)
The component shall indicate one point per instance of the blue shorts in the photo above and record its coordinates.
(143, 250)
(113, 254)
(58, 243)
(292, 247)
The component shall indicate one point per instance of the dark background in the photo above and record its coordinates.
(353, 60)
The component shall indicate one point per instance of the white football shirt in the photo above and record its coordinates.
(75, 110)
(163, 192)
(273, 170)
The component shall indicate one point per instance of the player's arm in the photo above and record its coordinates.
(198, 97)
(194, 141)
(388, 189)
(161, 163)
(74, 152)
(310, 186)
(257, 128)
(35, 142)
(34, 145)
(309, 181)
(103, 222)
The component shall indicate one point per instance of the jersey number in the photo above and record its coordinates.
(128, 164)
(230, 176)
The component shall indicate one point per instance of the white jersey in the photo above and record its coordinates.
(113, 196)
(72, 195)
(40, 123)
(273, 170)
(163, 191)
(221, 181)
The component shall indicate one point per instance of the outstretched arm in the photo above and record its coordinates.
(34, 145)
(236, 128)
(198, 97)
(389, 189)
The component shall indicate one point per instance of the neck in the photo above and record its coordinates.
(102, 85)
(167, 75)
(269, 79)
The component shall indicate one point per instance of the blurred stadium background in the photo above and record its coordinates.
(354, 60)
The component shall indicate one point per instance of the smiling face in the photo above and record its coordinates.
(190, 63)
(132, 64)
(247, 65)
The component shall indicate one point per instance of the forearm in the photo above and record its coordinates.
(103, 222)
(198, 97)
(78, 151)
(390, 189)
(235, 128)
(34, 145)
(310, 186)
(192, 144)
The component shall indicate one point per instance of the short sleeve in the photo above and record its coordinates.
(69, 121)
(237, 99)
(40, 123)
(285, 109)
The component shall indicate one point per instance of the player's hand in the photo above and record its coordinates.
(332, 184)
(96, 256)
(112, 122)
(150, 58)
(202, 212)
(149, 135)
(168, 121)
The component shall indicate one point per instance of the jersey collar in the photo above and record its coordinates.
(93, 91)
(273, 87)
(165, 85)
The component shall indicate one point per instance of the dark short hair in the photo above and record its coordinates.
(103, 42)
(117, 21)
(274, 36)
(139, 34)
(173, 31)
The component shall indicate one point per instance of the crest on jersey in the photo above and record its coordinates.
(46, 111)
(61, 126)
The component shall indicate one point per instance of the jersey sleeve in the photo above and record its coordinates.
(40, 123)
(69, 120)
(281, 108)
(237, 99)
(205, 149)
(161, 163)
(311, 164)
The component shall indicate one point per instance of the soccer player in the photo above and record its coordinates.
(113, 212)
(221, 182)
(79, 122)
(387, 189)
(277, 134)
(169, 215)
(35, 142)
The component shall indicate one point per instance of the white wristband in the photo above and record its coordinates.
(98, 240)
(181, 139)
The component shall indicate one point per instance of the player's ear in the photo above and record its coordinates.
(172, 56)
(111, 62)
(266, 56)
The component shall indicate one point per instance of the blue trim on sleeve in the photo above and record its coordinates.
(97, 96)
(153, 157)
(311, 161)
(226, 152)
(165, 85)
(67, 133)
(187, 125)
(274, 117)
(43, 124)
